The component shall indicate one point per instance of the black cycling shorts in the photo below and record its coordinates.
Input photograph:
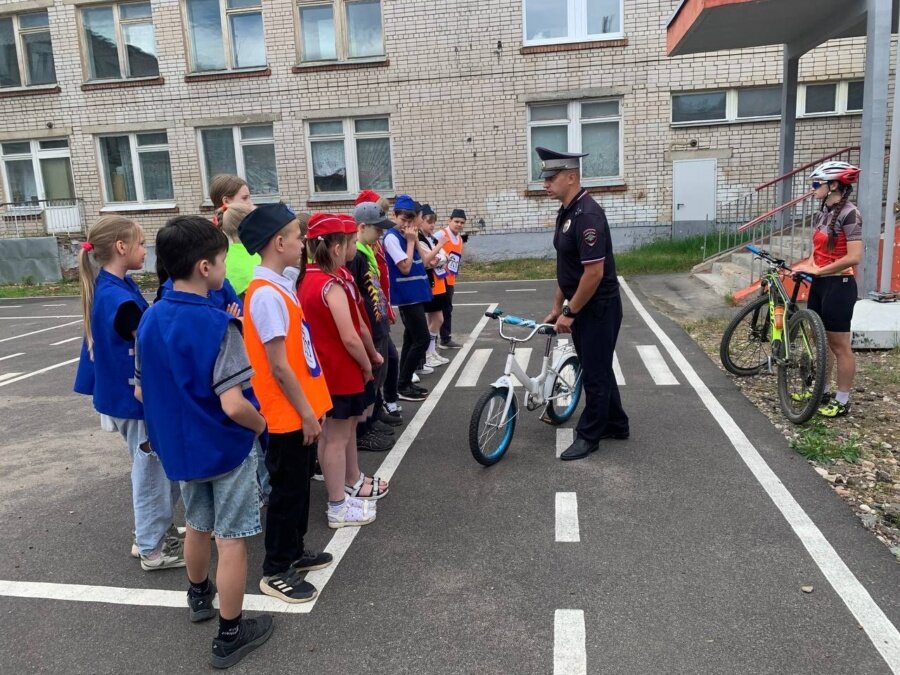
(832, 298)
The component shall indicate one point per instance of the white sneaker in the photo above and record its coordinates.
(352, 513)
(440, 358)
(433, 361)
(162, 560)
(415, 379)
(425, 370)
(393, 407)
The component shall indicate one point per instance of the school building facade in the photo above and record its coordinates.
(131, 107)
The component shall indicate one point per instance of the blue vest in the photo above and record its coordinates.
(178, 344)
(412, 288)
(220, 298)
(113, 356)
(84, 376)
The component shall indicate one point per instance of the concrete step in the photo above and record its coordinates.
(736, 276)
(716, 282)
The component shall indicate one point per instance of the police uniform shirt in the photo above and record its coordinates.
(582, 238)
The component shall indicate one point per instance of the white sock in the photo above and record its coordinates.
(842, 397)
(432, 346)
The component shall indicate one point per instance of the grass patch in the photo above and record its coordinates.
(821, 443)
(509, 270)
(31, 289)
(663, 256)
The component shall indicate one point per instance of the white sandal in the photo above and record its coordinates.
(376, 494)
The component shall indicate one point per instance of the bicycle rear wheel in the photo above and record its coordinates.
(801, 374)
(488, 438)
(745, 348)
(566, 391)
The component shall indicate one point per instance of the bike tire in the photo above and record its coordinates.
(561, 415)
(807, 353)
(492, 402)
(750, 324)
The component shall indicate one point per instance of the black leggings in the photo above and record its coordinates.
(416, 339)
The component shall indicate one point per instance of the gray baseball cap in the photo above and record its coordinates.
(369, 213)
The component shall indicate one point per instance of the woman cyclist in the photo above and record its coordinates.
(837, 249)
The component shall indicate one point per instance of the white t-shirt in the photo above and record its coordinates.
(268, 310)
(441, 234)
(395, 249)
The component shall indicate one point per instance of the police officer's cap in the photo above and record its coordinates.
(552, 162)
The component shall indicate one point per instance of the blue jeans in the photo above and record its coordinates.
(228, 504)
(153, 495)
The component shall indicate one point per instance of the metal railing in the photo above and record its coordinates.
(42, 217)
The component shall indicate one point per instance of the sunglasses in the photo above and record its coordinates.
(816, 184)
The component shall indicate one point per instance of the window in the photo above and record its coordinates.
(594, 127)
(119, 42)
(820, 98)
(830, 98)
(26, 55)
(248, 152)
(730, 105)
(340, 30)
(759, 102)
(550, 21)
(136, 168)
(350, 155)
(855, 92)
(37, 171)
(225, 34)
(704, 107)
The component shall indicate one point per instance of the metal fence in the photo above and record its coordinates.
(42, 217)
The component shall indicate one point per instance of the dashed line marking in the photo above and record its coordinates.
(12, 356)
(38, 372)
(464, 292)
(62, 304)
(62, 342)
(656, 365)
(617, 369)
(8, 376)
(42, 330)
(564, 438)
(40, 317)
(521, 290)
(19, 306)
(569, 652)
(567, 518)
(475, 365)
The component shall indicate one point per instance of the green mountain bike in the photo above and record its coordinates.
(772, 332)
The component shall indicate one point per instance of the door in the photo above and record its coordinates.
(693, 195)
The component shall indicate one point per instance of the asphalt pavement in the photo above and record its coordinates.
(702, 544)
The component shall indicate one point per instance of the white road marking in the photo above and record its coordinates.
(8, 376)
(883, 634)
(521, 290)
(464, 292)
(564, 438)
(617, 369)
(62, 304)
(523, 356)
(18, 306)
(40, 317)
(656, 365)
(42, 330)
(12, 356)
(62, 342)
(569, 653)
(472, 371)
(567, 517)
(471, 304)
(38, 372)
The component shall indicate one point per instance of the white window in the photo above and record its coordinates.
(37, 173)
(136, 168)
(26, 54)
(558, 21)
(248, 152)
(855, 92)
(350, 155)
(340, 30)
(830, 98)
(119, 41)
(225, 34)
(594, 127)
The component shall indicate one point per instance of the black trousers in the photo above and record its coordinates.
(415, 341)
(447, 327)
(594, 334)
(290, 465)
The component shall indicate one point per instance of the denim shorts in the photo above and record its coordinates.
(227, 504)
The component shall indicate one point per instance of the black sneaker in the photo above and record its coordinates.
(288, 586)
(253, 633)
(382, 428)
(421, 390)
(374, 442)
(312, 560)
(449, 344)
(202, 604)
(385, 416)
(412, 393)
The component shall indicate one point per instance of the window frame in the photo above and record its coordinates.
(21, 57)
(35, 154)
(841, 95)
(240, 168)
(225, 27)
(574, 138)
(121, 47)
(577, 24)
(341, 33)
(349, 136)
(138, 172)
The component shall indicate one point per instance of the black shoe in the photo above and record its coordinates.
(450, 344)
(392, 419)
(578, 450)
(253, 633)
(412, 393)
(374, 442)
(202, 605)
(288, 586)
(311, 560)
(382, 428)
(617, 435)
(421, 390)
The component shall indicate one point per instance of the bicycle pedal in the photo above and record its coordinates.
(545, 418)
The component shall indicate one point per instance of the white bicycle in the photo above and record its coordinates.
(556, 389)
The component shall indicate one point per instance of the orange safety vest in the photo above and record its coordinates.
(454, 256)
(279, 412)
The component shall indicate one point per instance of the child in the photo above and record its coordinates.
(293, 396)
(239, 264)
(347, 360)
(193, 376)
(435, 260)
(113, 305)
(453, 239)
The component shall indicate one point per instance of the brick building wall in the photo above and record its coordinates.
(456, 83)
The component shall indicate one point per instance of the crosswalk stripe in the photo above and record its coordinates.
(656, 365)
(473, 368)
(523, 356)
(8, 376)
(617, 369)
(564, 438)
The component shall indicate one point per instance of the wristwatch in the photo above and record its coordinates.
(567, 311)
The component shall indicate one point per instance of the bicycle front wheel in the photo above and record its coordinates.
(745, 347)
(489, 436)
(566, 391)
(801, 373)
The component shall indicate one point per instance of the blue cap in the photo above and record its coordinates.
(404, 203)
(263, 223)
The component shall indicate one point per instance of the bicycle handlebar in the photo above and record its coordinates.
(777, 262)
(542, 328)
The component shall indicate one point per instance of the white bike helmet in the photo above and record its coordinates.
(842, 172)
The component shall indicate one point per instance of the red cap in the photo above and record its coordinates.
(367, 196)
(350, 226)
(321, 224)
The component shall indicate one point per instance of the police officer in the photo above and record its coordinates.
(587, 302)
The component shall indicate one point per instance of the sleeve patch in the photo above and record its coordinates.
(589, 236)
